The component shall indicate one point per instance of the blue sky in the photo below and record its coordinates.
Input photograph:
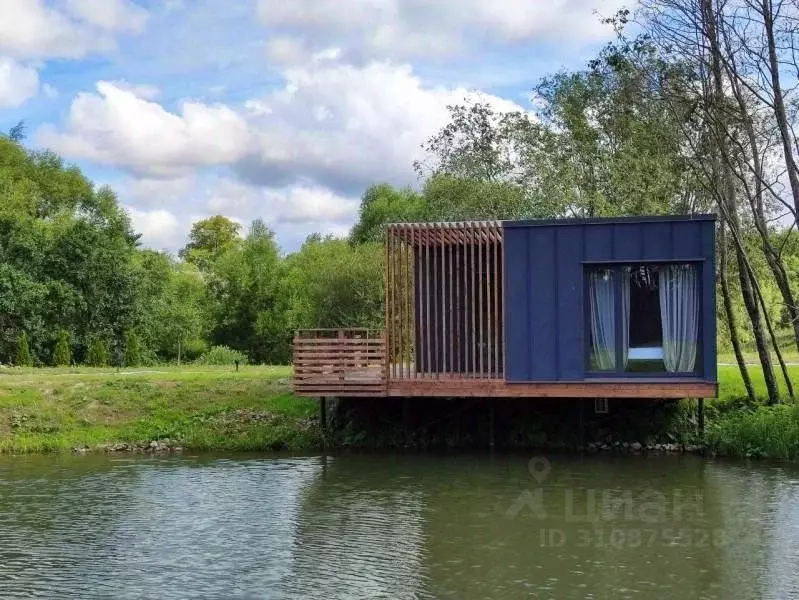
(284, 110)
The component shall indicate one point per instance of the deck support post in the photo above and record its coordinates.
(581, 424)
(491, 439)
(406, 420)
(700, 417)
(323, 414)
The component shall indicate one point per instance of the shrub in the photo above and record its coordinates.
(98, 355)
(221, 355)
(765, 431)
(133, 354)
(192, 349)
(24, 357)
(62, 355)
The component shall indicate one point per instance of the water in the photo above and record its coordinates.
(362, 526)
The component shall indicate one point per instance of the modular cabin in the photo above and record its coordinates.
(570, 308)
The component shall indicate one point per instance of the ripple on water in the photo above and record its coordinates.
(391, 527)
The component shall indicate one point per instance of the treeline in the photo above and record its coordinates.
(77, 288)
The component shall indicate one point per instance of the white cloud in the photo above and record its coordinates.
(112, 15)
(420, 28)
(116, 127)
(160, 228)
(18, 83)
(34, 29)
(141, 90)
(331, 124)
(157, 191)
(345, 127)
(290, 204)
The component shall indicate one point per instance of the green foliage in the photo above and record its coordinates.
(98, 354)
(222, 355)
(383, 204)
(24, 358)
(330, 283)
(62, 355)
(242, 290)
(65, 250)
(133, 351)
(209, 239)
(192, 349)
(764, 431)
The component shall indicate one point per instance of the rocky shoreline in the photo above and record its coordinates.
(164, 446)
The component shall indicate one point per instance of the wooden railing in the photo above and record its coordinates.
(339, 362)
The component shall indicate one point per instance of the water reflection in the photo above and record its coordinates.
(396, 527)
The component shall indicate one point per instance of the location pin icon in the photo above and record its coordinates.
(539, 468)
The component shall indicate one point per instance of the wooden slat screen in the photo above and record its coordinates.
(342, 362)
(444, 300)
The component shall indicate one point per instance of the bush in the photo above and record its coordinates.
(192, 349)
(24, 357)
(765, 431)
(98, 355)
(133, 355)
(62, 355)
(221, 355)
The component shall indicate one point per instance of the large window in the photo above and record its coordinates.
(643, 318)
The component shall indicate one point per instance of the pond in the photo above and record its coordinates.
(397, 526)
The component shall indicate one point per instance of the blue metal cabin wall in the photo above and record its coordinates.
(544, 288)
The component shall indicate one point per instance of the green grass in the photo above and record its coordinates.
(762, 431)
(216, 408)
(737, 428)
(203, 408)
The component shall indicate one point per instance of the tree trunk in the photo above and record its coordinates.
(732, 321)
(727, 195)
(773, 258)
(780, 113)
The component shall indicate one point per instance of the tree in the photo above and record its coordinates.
(18, 132)
(382, 204)
(330, 283)
(98, 354)
(24, 357)
(133, 356)
(62, 355)
(242, 287)
(209, 239)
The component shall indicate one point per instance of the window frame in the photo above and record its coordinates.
(618, 266)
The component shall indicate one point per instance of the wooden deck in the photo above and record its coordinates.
(353, 363)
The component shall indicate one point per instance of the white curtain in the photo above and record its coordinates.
(601, 295)
(679, 314)
(625, 315)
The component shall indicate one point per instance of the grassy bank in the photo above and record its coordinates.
(198, 408)
(734, 427)
(212, 408)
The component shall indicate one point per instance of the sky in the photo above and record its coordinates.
(285, 110)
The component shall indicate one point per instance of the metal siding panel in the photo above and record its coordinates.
(569, 303)
(542, 308)
(517, 275)
(598, 242)
(687, 237)
(656, 241)
(627, 241)
(708, 242)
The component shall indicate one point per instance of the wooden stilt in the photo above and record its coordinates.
(581, 426)
(491, 438)
(323, 419)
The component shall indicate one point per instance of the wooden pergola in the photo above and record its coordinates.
(444, 300)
